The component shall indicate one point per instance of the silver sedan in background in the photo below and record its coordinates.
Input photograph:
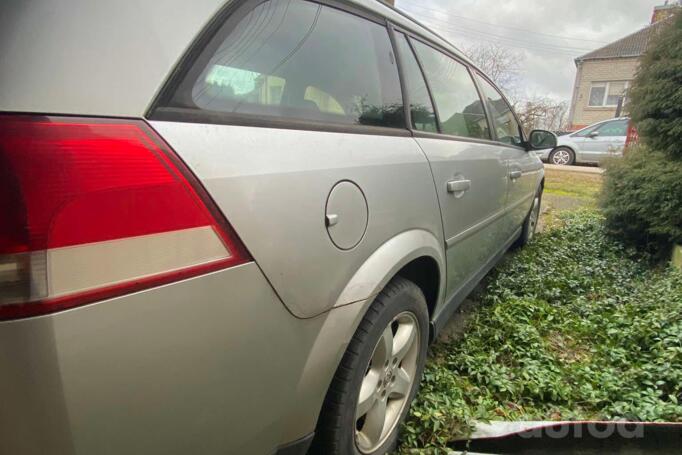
(589, 145)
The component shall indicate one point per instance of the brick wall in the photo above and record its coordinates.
(621, 69)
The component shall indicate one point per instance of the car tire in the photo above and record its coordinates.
(562, 156)
(370, 380)
(530, 224)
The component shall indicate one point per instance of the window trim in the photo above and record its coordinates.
(415, 35)
(606, 85)
(473, 69)
(452, 137)
(469, 71)
(190, 115)
(407, 111)
(205, 44)
(418, 59)
(491, 127)
(412, 34)
(522, 133)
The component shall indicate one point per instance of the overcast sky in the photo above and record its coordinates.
(549, 34)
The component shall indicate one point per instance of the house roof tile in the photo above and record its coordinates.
(633, 45)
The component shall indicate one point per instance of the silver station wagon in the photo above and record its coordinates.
(234, 227)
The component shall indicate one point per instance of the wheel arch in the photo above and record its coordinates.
(565, 146)
(425, 273)
(414, 255)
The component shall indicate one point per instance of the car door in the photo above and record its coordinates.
(469, 170)
(611, 139)
(523, 167)
(578, 139)
(593, 146)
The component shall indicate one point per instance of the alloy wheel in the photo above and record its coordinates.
(388, 380)
(561, 157)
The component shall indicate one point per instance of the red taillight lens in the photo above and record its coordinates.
(92, 208)
(632, 137)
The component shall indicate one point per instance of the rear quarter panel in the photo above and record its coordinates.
(273, 184)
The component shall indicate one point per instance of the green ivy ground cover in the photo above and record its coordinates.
(575, 326)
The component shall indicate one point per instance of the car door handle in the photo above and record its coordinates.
(458, 186)
(515, 175)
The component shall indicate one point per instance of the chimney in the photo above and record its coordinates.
(664, 11)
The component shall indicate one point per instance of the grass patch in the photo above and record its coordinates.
(573, 184)
(575, 326)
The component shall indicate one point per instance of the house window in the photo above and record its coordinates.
(607, 94)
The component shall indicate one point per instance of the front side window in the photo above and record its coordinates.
(459, 107)
(585, 131)
(506, 126)
(615, 128)
(300, 60)
(421, 108)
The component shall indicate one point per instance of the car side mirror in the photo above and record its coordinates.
(541, 139)
(593, 134)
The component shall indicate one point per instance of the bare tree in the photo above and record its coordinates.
(503, 66)
(542, 113)
(500, 63)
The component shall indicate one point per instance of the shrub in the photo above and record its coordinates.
(642, 194)
(573, 327)
(642, 199)
(656, 95)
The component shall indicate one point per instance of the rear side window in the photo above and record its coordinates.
(421, 108)
(459, 107)
(506, 126)
(300, 60)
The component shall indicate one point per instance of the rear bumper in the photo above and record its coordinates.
(206, 365)
(298, 447)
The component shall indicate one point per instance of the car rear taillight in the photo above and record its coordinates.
(632, 137)
(94, 208)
